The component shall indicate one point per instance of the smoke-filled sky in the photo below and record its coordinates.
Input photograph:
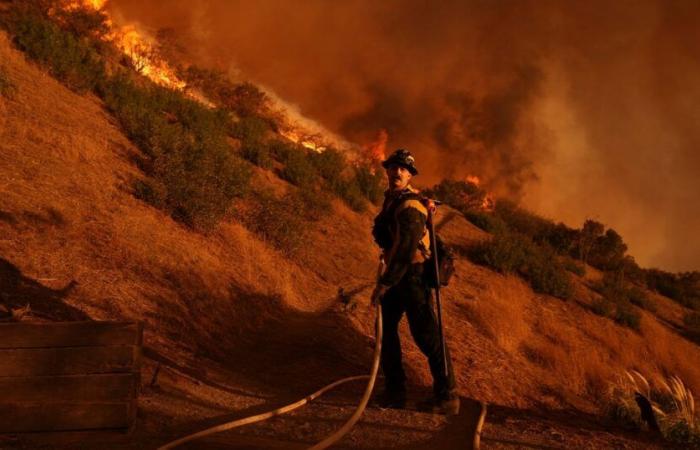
(579, 109)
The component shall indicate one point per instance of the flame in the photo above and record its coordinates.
(484, 200)
(308, 141)
(375, 151)
(473, 179)
(141, 50)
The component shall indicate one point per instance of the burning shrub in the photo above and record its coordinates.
(463, 196)
(73, 61)
(7, 88)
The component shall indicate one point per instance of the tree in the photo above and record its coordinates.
(591, 231)
(608, 251)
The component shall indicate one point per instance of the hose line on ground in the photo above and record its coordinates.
(330, 440)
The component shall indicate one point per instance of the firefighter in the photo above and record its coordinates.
(400, 231)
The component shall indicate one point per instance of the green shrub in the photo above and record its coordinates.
(371, 182)
(574, 267)
(277, 221)
(684, 287)
(616, 301)
(486, 221)
(297, 169)
(522, 221)
(546, 274)
(257, 153)
(680, 432)
(505, 252)
(515, 253)
(626, 316)
(603, 307)
(7, 87)
(194, 172)
(250, 129)
(349, 191)
(638, 297)
(311, 204)
(330, 164)
(692, 324)
(72, 60)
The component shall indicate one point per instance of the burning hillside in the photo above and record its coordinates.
(129, 199)
(571, 107)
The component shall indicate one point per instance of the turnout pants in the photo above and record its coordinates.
(412, 296)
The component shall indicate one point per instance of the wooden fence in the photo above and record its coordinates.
(69, 376)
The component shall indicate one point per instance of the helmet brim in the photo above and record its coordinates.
(389, 162)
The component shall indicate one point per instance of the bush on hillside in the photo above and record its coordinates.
(284, 222)
(516, 253)
(81, 22)
(297, 169)
(7, 87)
(692, 324)
(574, 267)
(72, 60)
(243, 99)
(487, 221)
(276, 221)
(684, 287)
(194, 172)
(252, 132)
(371, 182)
(616, 301)
(330, 164)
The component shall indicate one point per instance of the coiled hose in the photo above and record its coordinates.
(330, 440)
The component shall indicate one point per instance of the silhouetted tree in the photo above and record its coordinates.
(591, 231)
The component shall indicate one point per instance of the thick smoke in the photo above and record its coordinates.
(579, 109)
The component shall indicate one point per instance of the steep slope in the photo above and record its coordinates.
(234, 324)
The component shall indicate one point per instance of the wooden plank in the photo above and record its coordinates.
(28, 417)
(68, 361)
(76, 388)
(69, 334)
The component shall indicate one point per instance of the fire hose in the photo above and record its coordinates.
(331, 439)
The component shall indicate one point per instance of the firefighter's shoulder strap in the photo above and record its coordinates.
(415, 200)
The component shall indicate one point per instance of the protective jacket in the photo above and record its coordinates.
(400, 230)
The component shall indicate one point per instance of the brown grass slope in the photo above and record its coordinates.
(234, 323)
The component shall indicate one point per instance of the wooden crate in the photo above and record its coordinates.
(69, 376)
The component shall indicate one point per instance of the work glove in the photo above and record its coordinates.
(378, 293)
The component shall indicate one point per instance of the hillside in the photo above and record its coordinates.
(236, 325)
